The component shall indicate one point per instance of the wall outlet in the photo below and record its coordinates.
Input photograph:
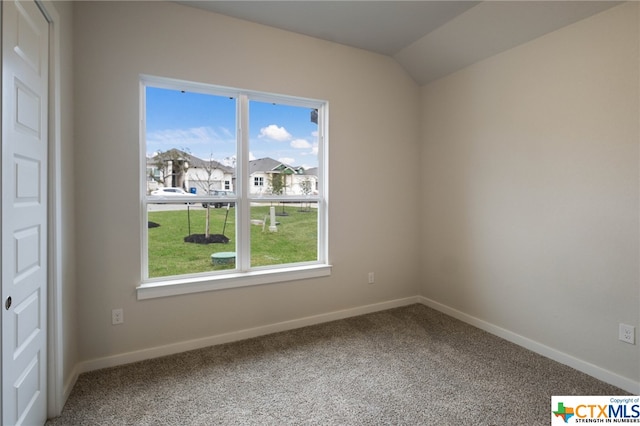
(117, 316)
(372, 278)
(627, 333)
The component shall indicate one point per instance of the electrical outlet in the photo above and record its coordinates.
(117, 316)
(372, 278)
(627, 333)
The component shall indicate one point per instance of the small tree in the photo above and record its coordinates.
(278, 187)
(208, 167)
(306, 188)
(277, 183)
(230, 161)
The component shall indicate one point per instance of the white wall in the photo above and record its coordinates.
(374, 125)
(530, 190)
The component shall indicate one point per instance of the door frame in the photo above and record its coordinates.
(55, 353)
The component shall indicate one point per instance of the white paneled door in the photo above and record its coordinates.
(25, 53)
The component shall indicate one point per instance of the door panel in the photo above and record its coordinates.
(25, 42)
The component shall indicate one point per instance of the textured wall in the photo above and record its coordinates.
(530, 190)
(373, 160)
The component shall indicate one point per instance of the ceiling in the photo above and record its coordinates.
(430, 39)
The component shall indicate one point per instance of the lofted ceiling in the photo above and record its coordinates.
(429, 39)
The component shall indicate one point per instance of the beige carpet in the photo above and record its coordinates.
(405, 366)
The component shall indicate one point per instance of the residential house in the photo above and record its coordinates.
(179, 169)
(294, 180)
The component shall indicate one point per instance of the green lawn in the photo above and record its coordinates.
(295, 241)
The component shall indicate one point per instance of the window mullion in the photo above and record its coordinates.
(144, 223)
(243, 246)
(323, 205)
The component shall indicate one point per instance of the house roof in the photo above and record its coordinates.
(313, 171)
(193, 160)
(261, 165)
(266, 165)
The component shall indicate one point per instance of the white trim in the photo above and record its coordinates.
(243, 274)
(55, 356)
(71, 382)
(243, 235)
(142, 146)
(323, 183)
(150, 290)
(544, 350)
(212, 89)
(174, 348)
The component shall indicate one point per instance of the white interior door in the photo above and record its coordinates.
(25, 45)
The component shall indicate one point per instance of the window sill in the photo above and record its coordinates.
(152, 290)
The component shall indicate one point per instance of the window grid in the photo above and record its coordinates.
(243, 196)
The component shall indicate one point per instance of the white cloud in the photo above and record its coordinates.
(227, 132)
(178, 138)
(300, 144)
(275, 133)
(202, 142)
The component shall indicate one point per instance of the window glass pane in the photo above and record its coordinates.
(289, 235)
(178, 242)
(283, 149)
(190, 152)
(194, 198)
(190, 141)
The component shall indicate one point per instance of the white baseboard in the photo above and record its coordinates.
(70, 383)
(546, 351)
(174, 348)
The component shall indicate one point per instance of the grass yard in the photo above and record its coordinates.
(295, 241)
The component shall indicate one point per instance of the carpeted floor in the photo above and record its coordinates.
(405, 366)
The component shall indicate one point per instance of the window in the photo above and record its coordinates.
(234, 187)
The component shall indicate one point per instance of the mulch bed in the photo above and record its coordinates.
(202, 239)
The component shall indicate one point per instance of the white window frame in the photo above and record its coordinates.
(243, 275)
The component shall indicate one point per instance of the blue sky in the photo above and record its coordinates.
(205, 126)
